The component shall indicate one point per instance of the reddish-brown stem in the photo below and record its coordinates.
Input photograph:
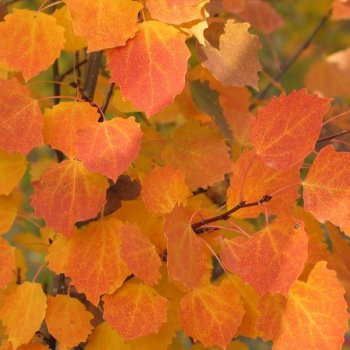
(71, 70)
(197, 226)
(328, 138)
(284, 188)
(239, 228)
(245, 178)
(70, 98)
(336, 117)
(38, 271)
(41, 9)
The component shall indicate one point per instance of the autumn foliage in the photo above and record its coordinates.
(172, 177)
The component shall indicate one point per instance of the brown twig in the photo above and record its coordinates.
(328, 138)
(71, 70)
(198, 226)
(296, 55)
(94, 63)
(108, 98)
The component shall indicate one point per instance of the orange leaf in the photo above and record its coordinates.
(167, 331)
(315, 316)
(200, 152)
(317, 245)
(7, 263)
(252, 179)
(150, 70)
(212, 314)
(67, 193)
(327, 187)
(22, 312)
(163, 188)
(167, 11)
(67, 320)
(331, 75)
(339, 258)
(139, 253)
(182, 3)
(272, 259)
(12, 169)
(341, 9)
(135, 310)
(109, 147)
(31, 41)
(276, 130)
(250, 300)
(104, 23)
(91, 258)
(19, 115)
(62, 121)
(271, 312)
(261, 15)
(235, 62)
(188, 260)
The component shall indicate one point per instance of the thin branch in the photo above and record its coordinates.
(328, 138)
(108, 98)
(94, 63)
(56, 100)
(198, 226)
(296, 55)
(71, 70)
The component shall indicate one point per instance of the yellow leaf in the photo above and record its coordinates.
(22, 312)
(72, 41)
(12, 169)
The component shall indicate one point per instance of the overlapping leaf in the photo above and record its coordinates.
(315, 315)
(187, 254)
(270, 260)
(19, 115)
(91, 258)
(327, 187)
(150, 70)
(163, 188)
(31, 41)
(67, 193)
(109, 147)
(105, 337)
(72, 42)
(235, 62)
(200, 153)
(252, 179)
(104, 23)
(271, 311)
(67, 320)
(175, 13)
(276, 130)
(261, 15)
(135, 310)
(62, 121)
(218, 308)
(139, 253)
